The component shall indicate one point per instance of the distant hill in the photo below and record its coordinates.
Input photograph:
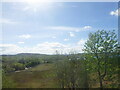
(34, 54)
(30, 54)
(22, 54)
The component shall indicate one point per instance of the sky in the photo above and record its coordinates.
(44, 27)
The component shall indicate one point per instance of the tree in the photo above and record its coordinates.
(18, 66)
(71, 72)
(101, 45)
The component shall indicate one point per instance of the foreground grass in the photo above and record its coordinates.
(41, 76)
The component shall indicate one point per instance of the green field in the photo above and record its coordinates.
(41, 76)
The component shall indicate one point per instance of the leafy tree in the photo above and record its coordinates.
(71, 72)
(100, 48)
(18, 66)
(32, 63)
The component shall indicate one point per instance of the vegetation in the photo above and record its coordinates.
(7, 82)
(102, 47)
(71, 72)
(40, 76)
(97, 67)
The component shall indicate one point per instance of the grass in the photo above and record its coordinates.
(42, 67)
(41, 76)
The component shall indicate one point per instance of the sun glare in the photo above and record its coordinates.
(37, 6)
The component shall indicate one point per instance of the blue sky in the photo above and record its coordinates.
(45, 27)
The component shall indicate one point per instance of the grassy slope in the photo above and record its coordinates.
(41, 76)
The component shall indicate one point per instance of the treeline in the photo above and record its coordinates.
(11, 65)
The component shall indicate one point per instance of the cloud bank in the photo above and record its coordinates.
(42, 48)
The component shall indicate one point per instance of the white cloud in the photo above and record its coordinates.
(115, 13)
(71, 34)
(26, 8)
(52, 44)
(6, 45)
(7, 21)
(53, 37)
(43, 48)
(87, 27)
(32, 6)
(10, 49)
(81, 42)
(66, 39)
(66, 28)
(25, 36)
(61, 28)
(21, 42)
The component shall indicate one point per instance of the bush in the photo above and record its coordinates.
(32, 63)
(18, 66)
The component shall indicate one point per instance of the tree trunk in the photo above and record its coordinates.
(101, 85)
(86, 85)
(62, 85)
(99, 73)
(100, 79)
